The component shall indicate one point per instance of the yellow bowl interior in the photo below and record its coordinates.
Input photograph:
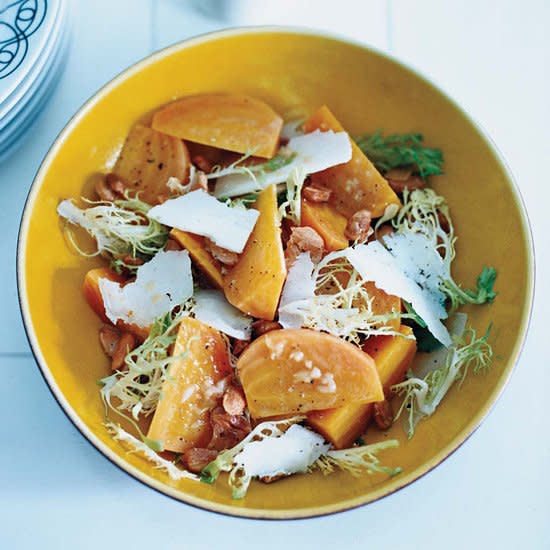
(295, 72)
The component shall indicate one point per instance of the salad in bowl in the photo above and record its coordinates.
(273, 292)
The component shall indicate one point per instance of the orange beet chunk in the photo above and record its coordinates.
(328, 222)
(383, 303)
(228, 121)
(255, 283)
(90, 289)
(181, 419)
(299, 370)
(393, 355)
(357, 184)
(194, 244)
(148, 158)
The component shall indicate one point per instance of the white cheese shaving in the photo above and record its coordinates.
(419, 260)
(374, 263)
(85, 219)
(212, 308)
(314, 152)
(292, 129)
(161, 284)
(67, 209)
(293, 452)
(299, 287)
(202, 214)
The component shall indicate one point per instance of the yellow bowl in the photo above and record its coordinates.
(295, 71)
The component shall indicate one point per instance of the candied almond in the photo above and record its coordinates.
(383, 231)
(109, 188)
(383, 414)
(202, 163)
(200, 181)
(224, 256)
(412, 183)
(109, 337)
(133, 261)
(197, 458)
(238, 346)
(304, 239)
(358, 226)
(125, 345)
(172, 244)
(234, 402)
(271, 479)
(399, 174)
(314, 193)
(227, 429)
(261, 326)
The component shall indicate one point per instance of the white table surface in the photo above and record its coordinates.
(56, 491)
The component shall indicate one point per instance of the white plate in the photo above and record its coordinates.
(17, 102)
(26, 26)
(30, 108)
(28, 81)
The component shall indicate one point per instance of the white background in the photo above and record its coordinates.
(56, 491)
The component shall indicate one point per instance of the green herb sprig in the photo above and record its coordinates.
(483, 293)
(400, 150)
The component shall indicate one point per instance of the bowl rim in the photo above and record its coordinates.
(399, 482)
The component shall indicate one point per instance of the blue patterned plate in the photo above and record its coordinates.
(26, 30)
(11, 108)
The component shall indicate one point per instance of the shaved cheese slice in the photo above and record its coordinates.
(292, 452)
(67, 209)
(212, 308)
(299, 287)
(374, 263)
(202, 214)
(161, 284)
(419, 260)
(292, 129)
(314, 152)
(86, 219)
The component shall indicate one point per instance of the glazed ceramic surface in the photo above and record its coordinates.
(296, 72)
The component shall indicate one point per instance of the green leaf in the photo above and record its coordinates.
(154, 444)
(484, 292)
(485, 284)
(277, 162)
(425, 340)
(413, 316)
(422, 396)
(210, 473)
(401, 150)
(245, 200)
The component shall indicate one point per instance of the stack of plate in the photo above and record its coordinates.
(33, 35)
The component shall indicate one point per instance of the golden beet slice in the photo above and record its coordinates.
(393, 356)
(328, 222)
(181, 419)
(194, 244)
(357, 184)
(255, 283)
(381, 304)
(148, 159)
(295, 371)
(90, 289)
(228, 121)
(384, 304)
